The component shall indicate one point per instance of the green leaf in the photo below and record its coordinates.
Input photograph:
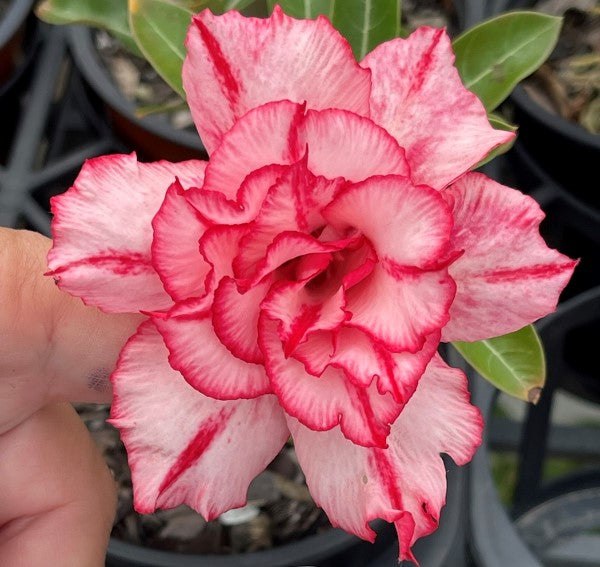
(366, 23)
(215, 6)
(495, 55)
(159, 28)
(514, 363)
(498, 122)
(305, 9)
(111, 16)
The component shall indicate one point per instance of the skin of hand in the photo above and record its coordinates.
(57, 497)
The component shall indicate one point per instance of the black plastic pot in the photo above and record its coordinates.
(12, 34)
(17, 43)
(330, 549)
(446, 547)
(568, 153)
(152, 136)
(496, 539)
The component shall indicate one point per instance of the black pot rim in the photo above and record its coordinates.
(494, 537)
(13, 19)
(554, 122)
(89, 64)
(311, 548)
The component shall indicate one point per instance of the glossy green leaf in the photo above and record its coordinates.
(159, 28)
(514, 363)
(366, 23)
(495, 55)
(499, 123)
(305, 9)
(111, 16)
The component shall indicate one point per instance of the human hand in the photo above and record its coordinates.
(57, 497)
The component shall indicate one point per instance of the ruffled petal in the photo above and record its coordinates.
(406, 483)
(275, 58)
(363, 358)
(175, 253)
(344, 144)
(204, 361)
(300, 314)
(179, 442)
(400, 305)
(409, 225)
(507, 276)
(418, 97)
(323, 402)
(235, 318)
(265, 136)
(219, 245)
(102, 231)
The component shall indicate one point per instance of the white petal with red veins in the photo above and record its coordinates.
(364, 358)
(507, 276)
(405, 483)
(410, 225)
(205, 362)
(102, 234)
(175, 252)
(179, 442)
(323, 402)
(343, 144)
(265, 136)
(271, 59)
(400, 306)
(235, 318)
(418, 97)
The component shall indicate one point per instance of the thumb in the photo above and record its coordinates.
(49, 337)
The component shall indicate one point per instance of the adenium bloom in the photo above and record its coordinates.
(301, 280)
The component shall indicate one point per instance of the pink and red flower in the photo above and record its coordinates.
(301, 281)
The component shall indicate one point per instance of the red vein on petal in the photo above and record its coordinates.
(221, 65)
(380, 460)
(367, 410)
(307, 317)
(133, 263)
(539, 271)
(195, 449)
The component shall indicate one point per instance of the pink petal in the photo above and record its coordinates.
(364, 358)
(204, 361)
(219, 245)
(175, 254)
(418, 97)
(299, 313)
(409, 225)
(271, 59)
(102, 231)
(343, 144)
(266, 135)
(216, 207)
(401, 306)
(405, 483)
(235, 318)
(179, 442)
(323, 402)
(507, 276)
(286, 246)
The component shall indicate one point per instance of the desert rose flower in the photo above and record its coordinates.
(300, 281)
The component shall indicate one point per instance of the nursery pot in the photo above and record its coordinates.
(567, 152)
(152, 136)
(331, 548)
(13, 42)
(566, 508)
